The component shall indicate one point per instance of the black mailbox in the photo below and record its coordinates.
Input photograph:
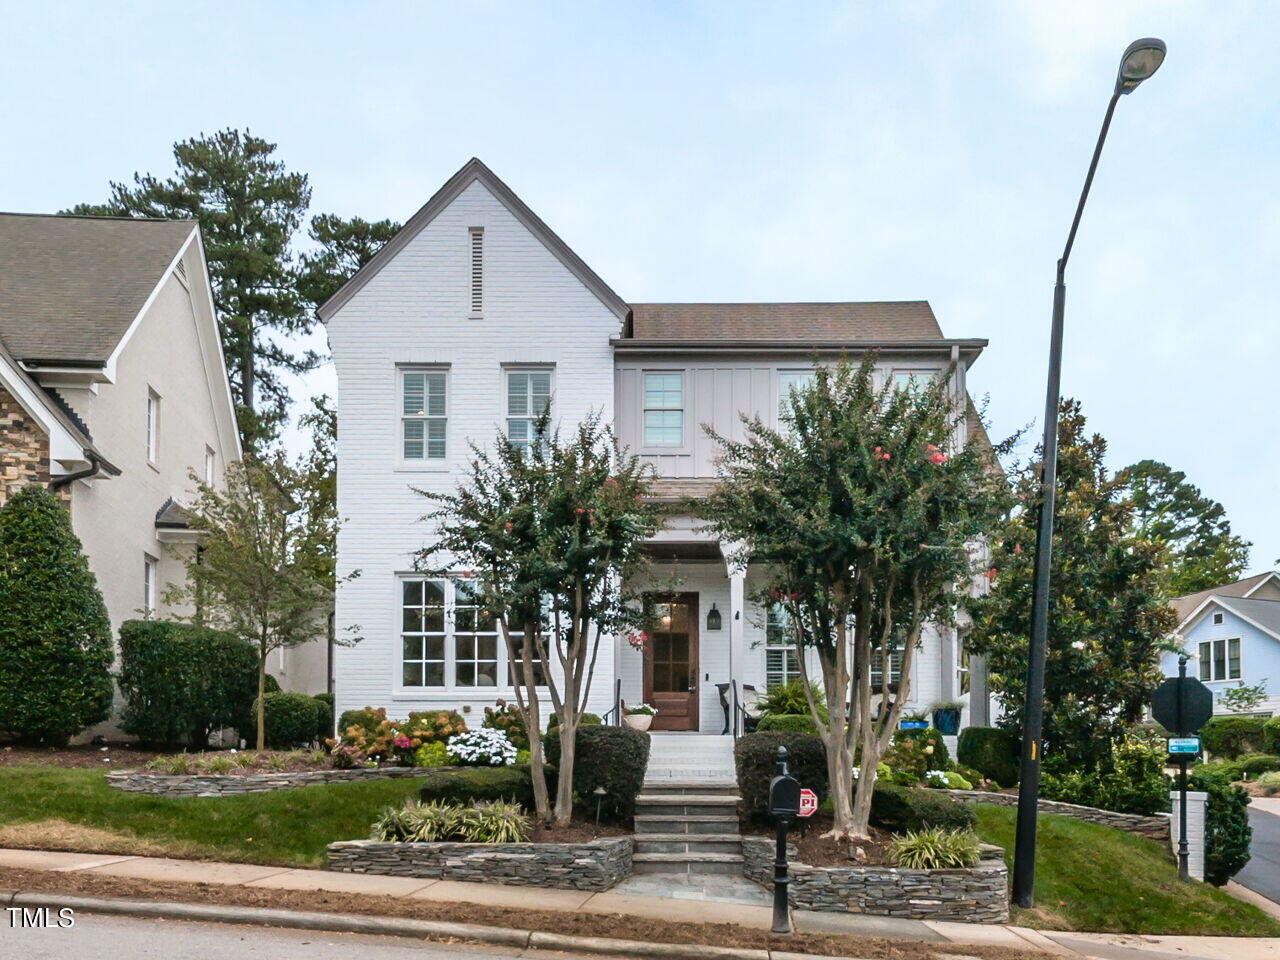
(784, 796)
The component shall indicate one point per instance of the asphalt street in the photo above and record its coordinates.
(102, 937)
(1262, 873)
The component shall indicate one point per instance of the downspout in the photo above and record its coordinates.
(95, 465)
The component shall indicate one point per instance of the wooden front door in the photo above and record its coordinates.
(671, 661)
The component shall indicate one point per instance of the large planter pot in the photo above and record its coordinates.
(638, 721)
(947, 721)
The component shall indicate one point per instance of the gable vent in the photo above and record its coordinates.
(477, 270)
(182, 269)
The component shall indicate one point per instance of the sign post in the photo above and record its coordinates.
(1182, 706)
(784, 804)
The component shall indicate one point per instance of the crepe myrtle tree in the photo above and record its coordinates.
(861, 514)
(549, 536)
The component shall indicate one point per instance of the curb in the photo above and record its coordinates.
(389, 926)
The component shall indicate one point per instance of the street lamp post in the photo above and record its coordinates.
(1141, 59)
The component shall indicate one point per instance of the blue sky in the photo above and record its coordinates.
(745, 151)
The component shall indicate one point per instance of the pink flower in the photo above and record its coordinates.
(506, 527)
(579, 510)
(937, 458)
(1017, 548)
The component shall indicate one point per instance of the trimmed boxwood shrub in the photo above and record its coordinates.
(584, 720)
(55, 637)
(291, 720)
(991, 751)
(791, 722)
(324, 715)
(1229, 737)
(183, 682)
(1271, 735)
(468, 785)
(1256, 763)
(1227, 833)
(611, 757)
(755, 758)
(902, 809)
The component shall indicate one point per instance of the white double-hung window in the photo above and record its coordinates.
(528, 398)
(781, 666)
(423, 414)
(664, 409)
(1220, 659)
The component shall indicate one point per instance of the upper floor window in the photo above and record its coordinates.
(913, 381)
(153, 424)
(877, 667)
(664, 409)
(423, 414)
(528, 398)
(150, 570)
(477, 271)
(1220, 659)
(210, 466)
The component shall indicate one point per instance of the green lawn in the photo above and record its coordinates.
(290, 827)
(1090, 877)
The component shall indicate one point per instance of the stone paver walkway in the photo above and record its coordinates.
(697, 900)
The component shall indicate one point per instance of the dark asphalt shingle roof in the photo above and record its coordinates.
(70, 286)
(1263, 612)
(889, 320)
(1185, 606)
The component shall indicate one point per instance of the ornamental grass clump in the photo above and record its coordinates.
(495, 822)
(485, 747)
(935, 848)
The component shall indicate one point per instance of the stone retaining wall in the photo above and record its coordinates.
(972, 895)
(1155, 827)
(594, 865)
(224, 785)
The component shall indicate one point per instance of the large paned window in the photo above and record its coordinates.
(913, 381)
(475, 639)
(1220, 659)
(528, 398)
(664, 409)
(781, 665)
(423, 633)
(423, 414)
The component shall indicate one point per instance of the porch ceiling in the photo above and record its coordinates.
(683, 550)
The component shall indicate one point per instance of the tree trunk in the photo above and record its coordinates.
(564, 787)
(840, 781)
(861, 814)
(261, 707)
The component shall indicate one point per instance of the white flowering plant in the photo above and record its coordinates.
(485, 747)
(936, 778)
(641, 710)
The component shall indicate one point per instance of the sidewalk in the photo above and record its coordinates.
(675, 905)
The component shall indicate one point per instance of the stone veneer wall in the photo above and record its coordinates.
(595, 865)
(972, 895)
(1154, 827)
(24, 448)
(222, 785)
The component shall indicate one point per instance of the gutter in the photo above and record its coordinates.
(96, 466)
(632, 345)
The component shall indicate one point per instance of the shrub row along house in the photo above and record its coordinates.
(113, 389)
(476, 318)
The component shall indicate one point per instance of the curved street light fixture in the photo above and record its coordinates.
(1141, 59)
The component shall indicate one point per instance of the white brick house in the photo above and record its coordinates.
(463, 324)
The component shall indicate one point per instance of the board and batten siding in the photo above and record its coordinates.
(417, 310)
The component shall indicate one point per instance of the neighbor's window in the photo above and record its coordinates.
(789, 380)
(528, 398)
(780, 663)
(153, 424)
(1220, 659)
(210, 466)
(1217, 619)
(475, 639)
(912, 381)
(422, 414)
(422, 633)
(664, 409)
(149, 585)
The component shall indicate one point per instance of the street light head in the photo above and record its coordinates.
(1141, 59)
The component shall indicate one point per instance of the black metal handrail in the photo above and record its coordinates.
(613, 717)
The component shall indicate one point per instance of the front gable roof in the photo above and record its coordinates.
(471, 172)
(71, 287)
(1188, 605)
(1263, 614)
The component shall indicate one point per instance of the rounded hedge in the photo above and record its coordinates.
(1271, 735)
(55, 636)
(992, 751)
(324, 715)
(291, 720)
(614, 758)
(755, 758)
(901, 809)
(1229, 737)
(584, 720)
(790, 722)
(469, 785)
(183, 682)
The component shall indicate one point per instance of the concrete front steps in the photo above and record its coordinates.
(687, 827)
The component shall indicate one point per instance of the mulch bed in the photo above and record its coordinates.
(814, 850)
(548, 921)
(581, 830)
(119, 756)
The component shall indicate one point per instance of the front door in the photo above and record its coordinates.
(671, 661)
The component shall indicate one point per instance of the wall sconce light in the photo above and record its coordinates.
(713, 618)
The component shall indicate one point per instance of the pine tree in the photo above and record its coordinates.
(343, 247)
(1109, 616)
(55, 637)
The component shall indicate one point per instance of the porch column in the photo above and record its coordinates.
(737, 632)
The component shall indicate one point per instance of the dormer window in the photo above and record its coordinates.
(477, 271)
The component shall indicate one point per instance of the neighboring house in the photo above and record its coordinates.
(113, 388)
(474, 318)
(1232, 635)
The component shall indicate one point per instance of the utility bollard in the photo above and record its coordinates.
(784, 804)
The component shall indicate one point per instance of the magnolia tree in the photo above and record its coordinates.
(860, 513)
(549, 536)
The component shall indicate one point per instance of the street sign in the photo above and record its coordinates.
(913, 725)
(808, 802)
(1182, 705)
(1180, 745)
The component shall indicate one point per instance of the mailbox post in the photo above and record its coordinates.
(784, 804)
